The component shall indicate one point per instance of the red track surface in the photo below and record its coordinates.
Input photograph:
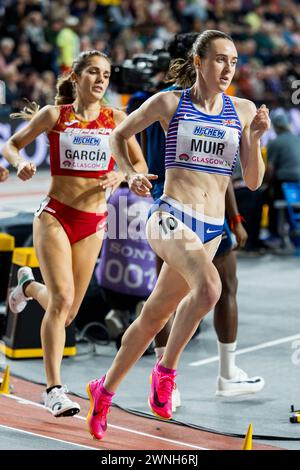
(125, 432)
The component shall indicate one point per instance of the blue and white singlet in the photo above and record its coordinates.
(200, 142)
(203, 142)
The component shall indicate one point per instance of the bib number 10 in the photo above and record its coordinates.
(168, 224)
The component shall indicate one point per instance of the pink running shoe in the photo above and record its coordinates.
(162, 382)
(101, 401)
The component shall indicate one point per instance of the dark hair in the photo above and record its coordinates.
(182, 70)
(181, 44)
(64, 86)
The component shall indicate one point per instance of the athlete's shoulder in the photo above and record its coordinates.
(171, 93)
(50, 111)
(46, 116)
(243, 104)
(245, 109)
(164, 100)
(118, 115)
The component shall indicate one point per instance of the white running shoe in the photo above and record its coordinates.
(176, 399)
(17, 300)
(241, 384)
(114, 321)
(57, 402)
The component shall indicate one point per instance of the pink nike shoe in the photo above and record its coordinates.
(100, 402)
(162, 382)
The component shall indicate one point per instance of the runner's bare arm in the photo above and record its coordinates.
(256, 122)
(134, 150)
(148, 112)
(43, 121)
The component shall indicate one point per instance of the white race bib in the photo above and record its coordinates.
(85, 149)
(208, 145)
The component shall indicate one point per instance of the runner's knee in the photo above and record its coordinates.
(229, 285)
(208, 293)
(61, 302)
(155, 315)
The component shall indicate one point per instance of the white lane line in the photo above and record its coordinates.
(269, 344)
(185, 444)
(46, 437)
(121, 428)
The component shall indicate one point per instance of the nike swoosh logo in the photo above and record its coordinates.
(71, 122)
(156, 400)
(103, 424)
(56, 406)
(211, 231)
(186, 116)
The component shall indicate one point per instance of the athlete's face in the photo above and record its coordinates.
(218, 67)
(94, 79)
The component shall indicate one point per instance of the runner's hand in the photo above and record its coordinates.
(26, 170)
(261, 122)
(3, 174)
(140, 184)
(240, 234)
(111, 180)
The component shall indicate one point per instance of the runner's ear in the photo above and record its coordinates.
(197, 60)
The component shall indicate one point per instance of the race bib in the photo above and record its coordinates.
(208, 145)
(85, 149)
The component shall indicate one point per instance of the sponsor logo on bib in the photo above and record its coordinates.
(86, 140)
(203, 131)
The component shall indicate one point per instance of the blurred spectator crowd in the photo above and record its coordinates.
(40, 38)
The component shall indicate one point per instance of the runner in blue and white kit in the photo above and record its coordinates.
(205, 129)
(199, 142)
